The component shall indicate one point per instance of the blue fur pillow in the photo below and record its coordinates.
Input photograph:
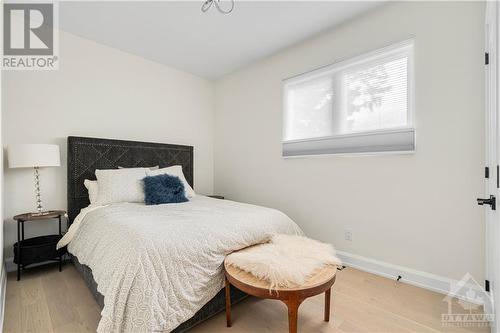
(163, 189)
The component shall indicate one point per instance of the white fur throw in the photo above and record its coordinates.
(285, 261)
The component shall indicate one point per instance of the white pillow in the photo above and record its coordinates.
(120, 185)
(175, 170)
(93, 189)
(92, 186)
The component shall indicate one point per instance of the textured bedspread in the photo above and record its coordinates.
(157, 265)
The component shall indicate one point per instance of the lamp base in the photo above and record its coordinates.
(39, 208)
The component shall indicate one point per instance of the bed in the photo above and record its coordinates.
(171, 276)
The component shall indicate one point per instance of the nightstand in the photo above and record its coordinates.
(37, 249)
(215, 196)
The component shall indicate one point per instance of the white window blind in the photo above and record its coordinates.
(360, 105)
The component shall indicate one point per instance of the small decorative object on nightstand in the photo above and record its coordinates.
(216, 196)
(38, 249)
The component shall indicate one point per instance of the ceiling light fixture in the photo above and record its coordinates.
(208, 3)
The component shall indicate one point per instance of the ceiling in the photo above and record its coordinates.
(210, 45)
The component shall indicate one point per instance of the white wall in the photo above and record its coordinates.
(414, 210)
(99, 92)
(3, 273)
(411, 210)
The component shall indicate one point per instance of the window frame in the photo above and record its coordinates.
(393, 51)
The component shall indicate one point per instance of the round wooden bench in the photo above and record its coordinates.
(320, 282)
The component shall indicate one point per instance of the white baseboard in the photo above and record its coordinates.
(3, 289)
(9, 265)
(440, 284)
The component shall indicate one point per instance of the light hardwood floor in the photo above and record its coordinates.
(48, 301)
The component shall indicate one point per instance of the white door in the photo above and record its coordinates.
(492, 164)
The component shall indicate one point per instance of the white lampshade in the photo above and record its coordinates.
(33, 155)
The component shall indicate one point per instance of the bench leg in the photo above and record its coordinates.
(327, 304)
(228, 303)
(293, 313)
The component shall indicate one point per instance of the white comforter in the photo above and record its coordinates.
(158, 265)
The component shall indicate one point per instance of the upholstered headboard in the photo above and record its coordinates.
(85, 155)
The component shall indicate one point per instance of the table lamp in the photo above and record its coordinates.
(34, 156)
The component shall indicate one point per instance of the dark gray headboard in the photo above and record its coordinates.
(85, 155)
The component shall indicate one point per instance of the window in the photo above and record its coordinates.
(361, 105)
